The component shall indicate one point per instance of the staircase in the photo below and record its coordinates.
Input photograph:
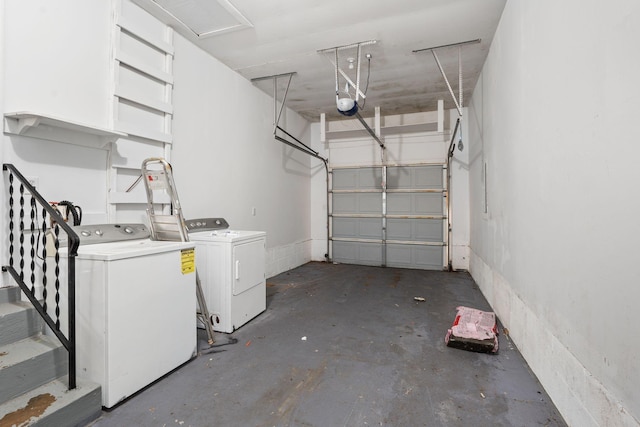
(34, 386)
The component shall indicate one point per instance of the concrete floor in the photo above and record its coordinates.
(344, 345)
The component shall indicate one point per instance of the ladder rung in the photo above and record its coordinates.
(166, 219)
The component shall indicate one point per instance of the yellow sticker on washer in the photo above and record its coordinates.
(188, 261)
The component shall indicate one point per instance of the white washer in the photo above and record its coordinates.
(231, 266)
(135, 310)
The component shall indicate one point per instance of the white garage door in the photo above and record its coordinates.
(403, 225)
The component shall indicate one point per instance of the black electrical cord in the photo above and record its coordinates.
(75, 211)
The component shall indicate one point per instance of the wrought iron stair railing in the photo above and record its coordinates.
(30, 265)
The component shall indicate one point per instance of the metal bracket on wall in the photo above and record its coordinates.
(277, 112)
(456, 100)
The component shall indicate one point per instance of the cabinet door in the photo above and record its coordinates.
(248, 266)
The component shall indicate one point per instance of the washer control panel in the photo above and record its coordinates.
(105, 233)
(206, 224)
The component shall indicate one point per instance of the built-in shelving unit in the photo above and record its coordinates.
(431, 121)
(143, 79)
(142, 102)
(43, 126)
(119, 100)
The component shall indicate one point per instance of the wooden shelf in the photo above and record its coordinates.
(141, 132)
(348, 132)
(432, 121)
(51, 128)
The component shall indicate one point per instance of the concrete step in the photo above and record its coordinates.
(9, 294)
(53, 405)
(18, 320)
(30, 363)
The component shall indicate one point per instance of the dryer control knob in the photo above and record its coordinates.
(128, 230)
(99, 232)
(85, 233)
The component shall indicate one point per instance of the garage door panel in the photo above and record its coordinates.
(370, 178)
(370, 203)
(428, 177)
(359, 228)
(429, 203)
(400, 204)
(361, 203)
(415, 256)
(399, 255)
(425, 230)
(428, 257)
(414, 177)
(398, 229)
(344, 203)
(369, 228)
(397, 178)
(344, 179)
(429, 230)
(357, 179)
(344, 227)
(357, 253)
(414, 204)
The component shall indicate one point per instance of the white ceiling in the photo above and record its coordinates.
(284, 36)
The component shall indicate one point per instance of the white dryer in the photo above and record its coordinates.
(231, 266)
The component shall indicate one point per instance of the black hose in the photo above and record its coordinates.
(71, 210)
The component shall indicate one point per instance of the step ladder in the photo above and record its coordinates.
(158, 178)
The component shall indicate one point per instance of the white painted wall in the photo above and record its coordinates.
(552, 117)
(56, 60)
(318, 201)
(3, 211)
(460, 225)
(57, 57)
(226, 161)
(402, 148)
(57, 64)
